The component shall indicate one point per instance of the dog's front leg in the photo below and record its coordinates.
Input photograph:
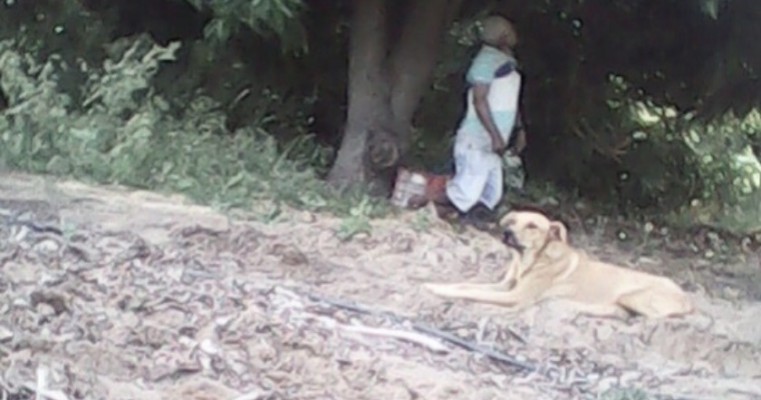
(438, 288)
(519, 297)
(513, 271)
(507, 282)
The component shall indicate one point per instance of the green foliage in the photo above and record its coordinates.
(710, 8)
(125, 134)
(422, 222)
(268, 18)
(730, 169)
(624, 394)
(638, 153)
(592, 84)
(694, 171)
(357, 222)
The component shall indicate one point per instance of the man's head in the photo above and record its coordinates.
(531, 230)
(498, 32)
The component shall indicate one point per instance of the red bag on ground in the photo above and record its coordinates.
(436, 186)
(411, 186)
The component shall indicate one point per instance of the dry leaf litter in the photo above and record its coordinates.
(114, 294)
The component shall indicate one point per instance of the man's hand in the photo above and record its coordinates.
(498, 145)
(520, 142)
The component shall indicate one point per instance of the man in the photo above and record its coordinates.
(491, 115)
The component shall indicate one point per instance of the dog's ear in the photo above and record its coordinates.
(558, 232)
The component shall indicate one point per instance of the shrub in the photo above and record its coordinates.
(123, 133)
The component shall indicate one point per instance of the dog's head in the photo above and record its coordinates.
(530, 230)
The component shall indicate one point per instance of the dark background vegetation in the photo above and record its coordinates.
(285, 66)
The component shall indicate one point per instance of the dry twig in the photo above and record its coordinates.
(449, 337)
(425, 341)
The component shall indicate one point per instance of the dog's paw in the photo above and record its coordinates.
(443, 290)
(433, 287)
(429, 286)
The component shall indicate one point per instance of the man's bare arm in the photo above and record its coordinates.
(520, 139)
(481, 103)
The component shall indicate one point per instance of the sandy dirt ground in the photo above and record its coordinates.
(107, 293)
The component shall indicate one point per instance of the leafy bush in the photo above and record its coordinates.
(123, 133)
(273, 18)
(693, 171)
(730, 170)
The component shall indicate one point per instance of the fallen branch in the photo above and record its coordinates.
(13, 219)
(255, 395)
(423, 340)
(449, 337)
(474, 347)
(41, 387)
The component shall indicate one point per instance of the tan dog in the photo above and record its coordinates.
(544, 266)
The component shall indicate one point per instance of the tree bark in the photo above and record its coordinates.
(386, 84)
(366, 95)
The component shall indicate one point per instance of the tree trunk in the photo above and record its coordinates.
(385, 87)
(415, 60)
(367, 94)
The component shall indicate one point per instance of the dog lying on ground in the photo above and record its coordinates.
(544, 266)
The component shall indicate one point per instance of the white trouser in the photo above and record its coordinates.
(478, 177)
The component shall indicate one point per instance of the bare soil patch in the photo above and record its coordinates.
(107, 293)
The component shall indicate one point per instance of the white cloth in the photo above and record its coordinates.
(478, 178)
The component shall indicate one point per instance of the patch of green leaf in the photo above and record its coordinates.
(624, 394)
(267, 18)
(124, 134)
